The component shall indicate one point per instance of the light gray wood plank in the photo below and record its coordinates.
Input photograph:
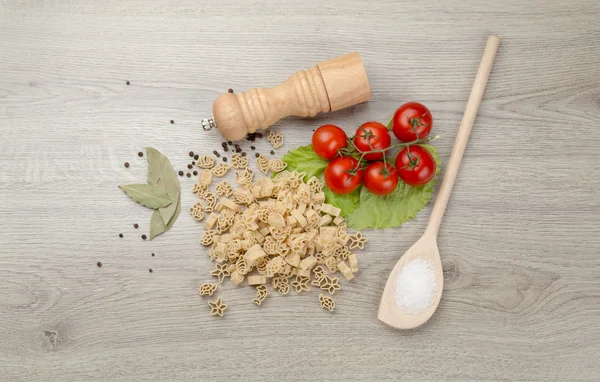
(520, 241)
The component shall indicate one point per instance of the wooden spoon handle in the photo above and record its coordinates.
(464, 131)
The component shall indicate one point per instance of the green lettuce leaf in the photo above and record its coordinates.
(361, 208)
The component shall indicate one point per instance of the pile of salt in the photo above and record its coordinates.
(415, 286)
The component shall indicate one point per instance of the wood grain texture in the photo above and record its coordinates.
(520, 241)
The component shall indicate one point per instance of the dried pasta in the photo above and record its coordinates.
(200, 189)
(217, 308)
(262, 162)
(238, 161)
(220, 170)
(224, 189)
(276, 139)
(205, 177)
(207, 289)
(276, 165)
(205, 161)
(220, 272)
(276, 231)
(197, 212)
(326, 302)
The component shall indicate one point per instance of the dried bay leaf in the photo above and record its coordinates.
(157, 226)
(159, 167)
(148, 195)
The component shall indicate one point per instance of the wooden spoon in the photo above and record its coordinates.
(426, 247)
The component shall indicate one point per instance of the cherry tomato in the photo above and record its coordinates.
(327, 140)
(412, 121)
(375, 134)
(381, 179)
(340, 176)
(415, 165)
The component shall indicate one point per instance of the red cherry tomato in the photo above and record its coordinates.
(381, 179)
(415, 165)
(412, 121)
(375, 134)
(327, 140)
(340, 176)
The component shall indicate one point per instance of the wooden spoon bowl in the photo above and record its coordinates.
(425, 248)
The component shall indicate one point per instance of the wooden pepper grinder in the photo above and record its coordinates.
(329, 86)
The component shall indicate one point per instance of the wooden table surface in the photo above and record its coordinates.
(520, 240)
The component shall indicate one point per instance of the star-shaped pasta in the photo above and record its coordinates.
(301, 284)
(207, 289)
(357, 241)
(330, 284)
(220, 271)
(217, 308)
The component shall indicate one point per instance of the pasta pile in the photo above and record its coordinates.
(276, 231)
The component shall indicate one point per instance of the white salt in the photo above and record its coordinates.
(415, 286)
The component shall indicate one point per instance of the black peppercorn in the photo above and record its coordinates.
(143, 237)
(190, 166)
(223, 144)
(217, 155)
(259, 135)
(135, 225)
(193, 163)
(257, 155)
(195, 173)
(243, 153)
(225, 149)
(152, 254)
(150, 270)
(172, 122)
(272, 152)
(229, 143)
(126, 164)
(180, 173)
(188, 175)
(140, 154)
(127, 82)
(224, 159)
(120, 235)
(99, 264)
(191, 153)
(238, 150)
(230, 90)
(253, 148)
(196, 157)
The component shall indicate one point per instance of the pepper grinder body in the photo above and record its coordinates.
(329, 86)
